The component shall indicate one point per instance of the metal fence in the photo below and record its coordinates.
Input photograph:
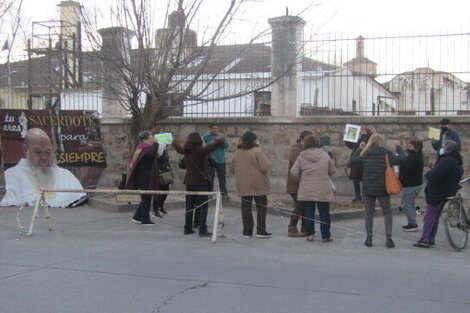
(407, 74)
(423, 74)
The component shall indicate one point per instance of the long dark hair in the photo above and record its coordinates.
(192, 142)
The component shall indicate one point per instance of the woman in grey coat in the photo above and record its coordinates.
(372, 159)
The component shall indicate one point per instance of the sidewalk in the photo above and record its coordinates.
(341, 207)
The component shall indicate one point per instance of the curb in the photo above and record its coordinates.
(107, 203)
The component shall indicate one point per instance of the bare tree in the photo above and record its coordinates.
(167, 69)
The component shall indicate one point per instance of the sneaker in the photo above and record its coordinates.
(156, 214)
(410, 228)
(327, 239)
(309, 238)
(264, 235)
(418, 210)
(247, 236)
(421, 244)
(136, 221)
(163, 211)
(148, 223)
(189, 232)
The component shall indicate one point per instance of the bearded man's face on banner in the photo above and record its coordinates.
(39, 152)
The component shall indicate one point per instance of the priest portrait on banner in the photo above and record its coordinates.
(39, 170)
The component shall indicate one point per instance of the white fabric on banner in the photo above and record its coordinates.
(22, 183)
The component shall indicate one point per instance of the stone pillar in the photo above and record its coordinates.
(115, 52)
(286, 63)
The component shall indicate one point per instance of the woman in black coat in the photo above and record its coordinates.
(372, 159)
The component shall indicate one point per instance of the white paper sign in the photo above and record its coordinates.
(352, 133)
(164, 138)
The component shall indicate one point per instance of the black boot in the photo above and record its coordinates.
(389, 242)
(368, 242)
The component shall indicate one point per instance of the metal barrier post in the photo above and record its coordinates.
(218, 202)
(35, 213)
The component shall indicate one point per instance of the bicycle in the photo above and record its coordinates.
(456, 222)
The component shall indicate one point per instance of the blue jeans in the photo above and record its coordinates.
(324, 210)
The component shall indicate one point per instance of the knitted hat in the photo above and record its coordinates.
(249, 137)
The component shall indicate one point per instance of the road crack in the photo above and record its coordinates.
(167, 301)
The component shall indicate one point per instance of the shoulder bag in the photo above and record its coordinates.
(392, 183)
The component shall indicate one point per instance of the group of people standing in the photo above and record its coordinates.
(369, 158)
(309, 181)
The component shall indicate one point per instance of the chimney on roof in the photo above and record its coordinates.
(70, 40)
(70, 16)
(176, 27)
(361, 65)
(360, 47)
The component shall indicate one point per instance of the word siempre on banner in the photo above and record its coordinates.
(82, 158)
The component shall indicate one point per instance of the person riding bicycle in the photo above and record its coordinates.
(442, 182)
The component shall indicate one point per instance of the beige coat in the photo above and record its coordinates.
(251, 172)
(292, 184)
(314, 168)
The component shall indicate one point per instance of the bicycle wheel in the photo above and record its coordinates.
(455, 224)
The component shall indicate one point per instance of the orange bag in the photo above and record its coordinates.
(392, 183)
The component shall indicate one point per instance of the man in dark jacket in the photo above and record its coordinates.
(143, 175)
(446, 134)
(442, 182)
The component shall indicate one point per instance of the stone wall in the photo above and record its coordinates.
(276, 136)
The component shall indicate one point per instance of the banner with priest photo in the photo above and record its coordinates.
(55, 149)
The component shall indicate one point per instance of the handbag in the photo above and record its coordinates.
(392, 183)
(166, 178)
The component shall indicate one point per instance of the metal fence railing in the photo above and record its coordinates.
(424, 74)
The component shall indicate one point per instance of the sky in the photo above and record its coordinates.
(339, 19)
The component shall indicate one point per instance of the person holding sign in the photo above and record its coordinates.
(39, 170)
(353, 143)
(446, 134)
(218, 160)
(197, 178)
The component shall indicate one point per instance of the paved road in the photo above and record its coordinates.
(97, 261)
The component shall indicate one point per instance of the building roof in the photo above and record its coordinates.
(229, 59)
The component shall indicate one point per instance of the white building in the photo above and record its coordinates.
(428, 92)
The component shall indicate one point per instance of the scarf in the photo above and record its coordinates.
(142, 146)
